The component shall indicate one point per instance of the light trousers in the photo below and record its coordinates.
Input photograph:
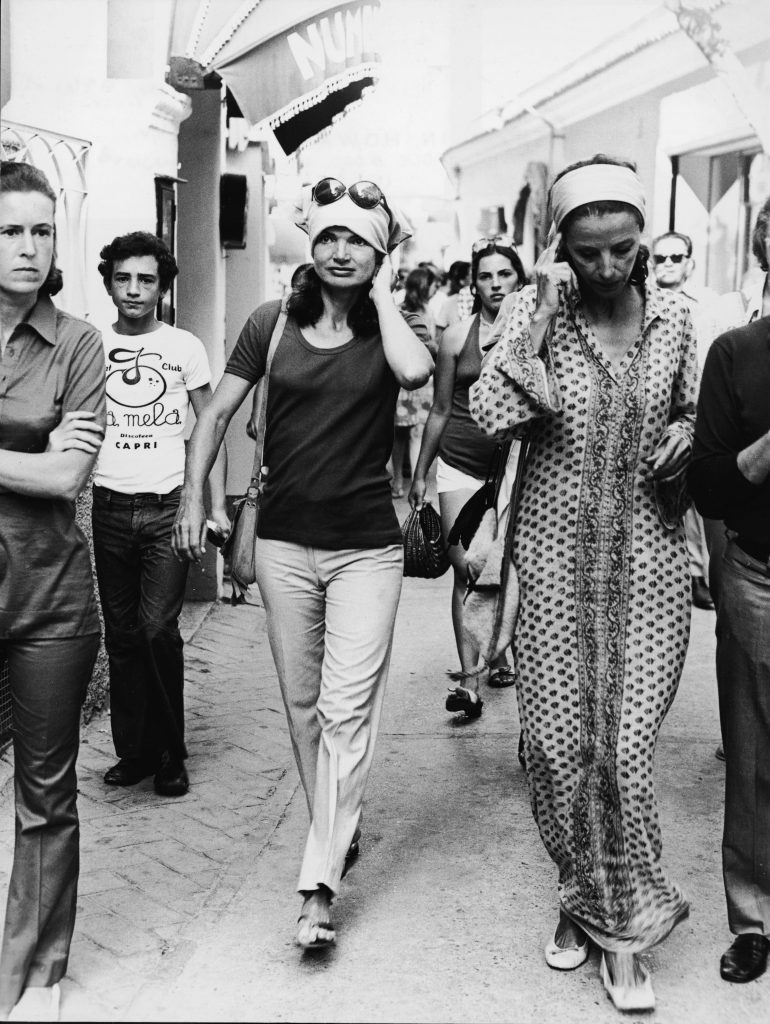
(330, 619)
(743, 677)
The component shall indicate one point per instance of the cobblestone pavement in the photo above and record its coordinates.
(187, 906)
(150, 867)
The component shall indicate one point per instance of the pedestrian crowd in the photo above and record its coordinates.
(573, 416)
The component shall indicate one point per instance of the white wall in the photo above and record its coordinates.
(200, 296)
(494, 182)
(60, 83)
(695, 111)
(246, 288)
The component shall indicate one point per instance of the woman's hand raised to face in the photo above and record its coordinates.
(381, 282)
(549, 274)
(77, 430)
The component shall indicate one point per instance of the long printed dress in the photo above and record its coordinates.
(605, 599)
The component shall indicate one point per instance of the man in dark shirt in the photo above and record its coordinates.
(730, 480)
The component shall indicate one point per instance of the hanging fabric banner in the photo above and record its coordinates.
(300, 80)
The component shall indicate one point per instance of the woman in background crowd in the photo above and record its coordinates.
(458, 305)
(464, 452)
(329, 554)
(600, 368)
(413, 406)
(52, 424)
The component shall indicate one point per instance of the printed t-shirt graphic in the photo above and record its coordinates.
(149, 377)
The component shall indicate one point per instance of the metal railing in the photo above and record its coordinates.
(63, 159)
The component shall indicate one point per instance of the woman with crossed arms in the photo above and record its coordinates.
(52, 414)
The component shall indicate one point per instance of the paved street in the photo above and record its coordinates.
(187, 907)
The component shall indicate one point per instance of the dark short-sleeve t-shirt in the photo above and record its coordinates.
(329, 434)
(53, 364)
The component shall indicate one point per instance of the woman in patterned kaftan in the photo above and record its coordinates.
(601, 368)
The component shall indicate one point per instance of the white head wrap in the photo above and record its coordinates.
(383, 230)
(595, 183)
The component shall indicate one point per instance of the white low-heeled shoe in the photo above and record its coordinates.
(630, 999)
(37, 1004)
(565, 958)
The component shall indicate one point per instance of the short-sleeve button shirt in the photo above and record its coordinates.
(53, 363)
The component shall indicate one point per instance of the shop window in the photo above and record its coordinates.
(715, 197)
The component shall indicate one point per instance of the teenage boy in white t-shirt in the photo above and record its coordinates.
(154, 372)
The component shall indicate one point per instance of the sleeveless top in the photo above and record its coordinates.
(463, 446)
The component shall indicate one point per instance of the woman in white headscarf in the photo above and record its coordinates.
(329, 553)
(599, 367)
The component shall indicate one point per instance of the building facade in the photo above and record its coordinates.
(695, 124)
(127, 106)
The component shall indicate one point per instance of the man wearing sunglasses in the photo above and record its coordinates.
(672, 256)
(711, 315)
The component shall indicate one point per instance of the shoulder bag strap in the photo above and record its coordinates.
(500, 461)
(261, 399)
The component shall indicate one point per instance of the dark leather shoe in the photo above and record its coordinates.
(171, 778)
(354, 852)
(701, 597)
(127, 772)
(746, 959)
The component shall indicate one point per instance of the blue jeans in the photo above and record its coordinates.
(141, 588)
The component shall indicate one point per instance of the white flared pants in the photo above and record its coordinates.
(330, 619)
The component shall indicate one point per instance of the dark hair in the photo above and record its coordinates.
(601, 206)
(305, 304)
(684, 239)
(16, 176)
(299, 273)
(457, 272)
(138, 243)
(604, 206)
(417, 289)
(504, 250)
(760, 233)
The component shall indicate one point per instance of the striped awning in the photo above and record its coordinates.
(294, 66)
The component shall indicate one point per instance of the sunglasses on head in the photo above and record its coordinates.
(365, 194)
(675, 257)
(484, 243)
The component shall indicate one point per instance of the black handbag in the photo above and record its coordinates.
(424, 552)
(470, 515)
